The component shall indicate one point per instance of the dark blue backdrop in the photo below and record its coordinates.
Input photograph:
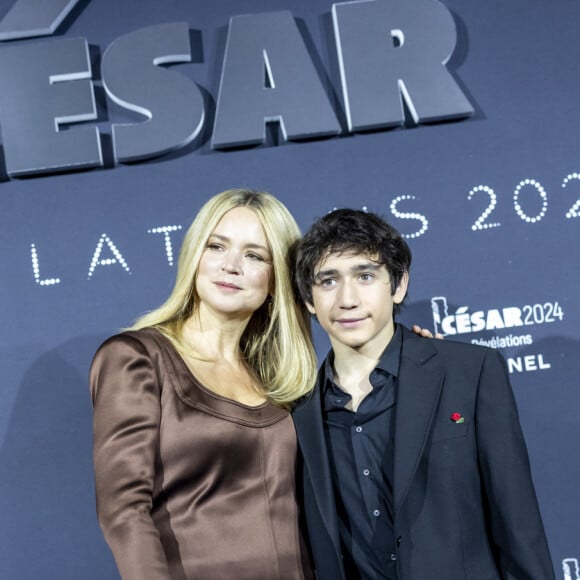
(517, 62)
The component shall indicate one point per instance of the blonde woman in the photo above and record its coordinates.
(194, 447)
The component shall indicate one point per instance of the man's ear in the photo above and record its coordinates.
(401, 290)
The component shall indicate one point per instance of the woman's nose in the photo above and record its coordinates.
(231, 262)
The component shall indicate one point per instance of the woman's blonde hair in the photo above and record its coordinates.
(277, 341)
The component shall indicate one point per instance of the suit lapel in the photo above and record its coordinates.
(310, 432)
(420, 382)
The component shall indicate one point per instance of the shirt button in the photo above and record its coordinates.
(393, 557)
(377, 513)
(366, 472)
(358, 429)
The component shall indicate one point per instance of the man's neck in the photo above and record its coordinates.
(352, 368)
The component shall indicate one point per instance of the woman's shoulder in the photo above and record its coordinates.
(147, 337)
(145, 341)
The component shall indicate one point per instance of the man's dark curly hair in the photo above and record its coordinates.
(351, 230)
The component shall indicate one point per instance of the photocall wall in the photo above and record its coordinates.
(457, 121)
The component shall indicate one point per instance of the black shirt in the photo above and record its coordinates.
(360, 448)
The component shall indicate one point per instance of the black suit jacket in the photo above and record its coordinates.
(464, 502)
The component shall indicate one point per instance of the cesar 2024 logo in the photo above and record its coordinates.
(516, 319)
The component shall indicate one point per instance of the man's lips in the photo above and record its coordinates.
(350, 322)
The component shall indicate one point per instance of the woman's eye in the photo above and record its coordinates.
(214, 246)
(253, 256)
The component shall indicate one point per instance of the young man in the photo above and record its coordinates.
(414, 463)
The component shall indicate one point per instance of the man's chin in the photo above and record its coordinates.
(350, 342)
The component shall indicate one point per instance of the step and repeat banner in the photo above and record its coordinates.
(457, 121)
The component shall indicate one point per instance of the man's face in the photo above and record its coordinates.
(352, 301)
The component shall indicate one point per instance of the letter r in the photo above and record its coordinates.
(395, 50)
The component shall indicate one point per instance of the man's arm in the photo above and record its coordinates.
(516, 529)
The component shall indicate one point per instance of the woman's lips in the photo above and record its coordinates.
(227, 286)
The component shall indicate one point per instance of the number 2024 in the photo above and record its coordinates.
(481, 222)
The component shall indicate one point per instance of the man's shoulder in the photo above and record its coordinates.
(463, 361)
(313, 396)
(448, 349)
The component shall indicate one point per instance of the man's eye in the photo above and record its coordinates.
(366, 277)
(327, 282)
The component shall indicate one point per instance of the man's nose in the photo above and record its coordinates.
(348, 296)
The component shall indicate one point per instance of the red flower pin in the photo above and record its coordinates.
(457, 418)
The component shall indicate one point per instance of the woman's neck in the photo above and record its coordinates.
(214, 337)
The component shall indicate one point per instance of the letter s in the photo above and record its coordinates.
(172, 103)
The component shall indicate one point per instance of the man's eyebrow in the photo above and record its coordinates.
(373, 266)
(325, 273)
(364, 267)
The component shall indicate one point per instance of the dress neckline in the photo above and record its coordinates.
(193, 393)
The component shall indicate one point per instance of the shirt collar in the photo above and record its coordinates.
(388, 362)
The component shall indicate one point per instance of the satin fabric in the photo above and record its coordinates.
(190, 485)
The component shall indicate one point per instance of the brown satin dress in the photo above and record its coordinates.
(190, 485)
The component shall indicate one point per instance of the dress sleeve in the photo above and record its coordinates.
(126, 393)
(516, 525)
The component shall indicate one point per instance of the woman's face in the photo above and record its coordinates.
(235, 273)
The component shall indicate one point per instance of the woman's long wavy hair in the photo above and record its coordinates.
(277, 342)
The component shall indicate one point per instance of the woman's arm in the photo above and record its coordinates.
(424, 332)
(127, 411)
